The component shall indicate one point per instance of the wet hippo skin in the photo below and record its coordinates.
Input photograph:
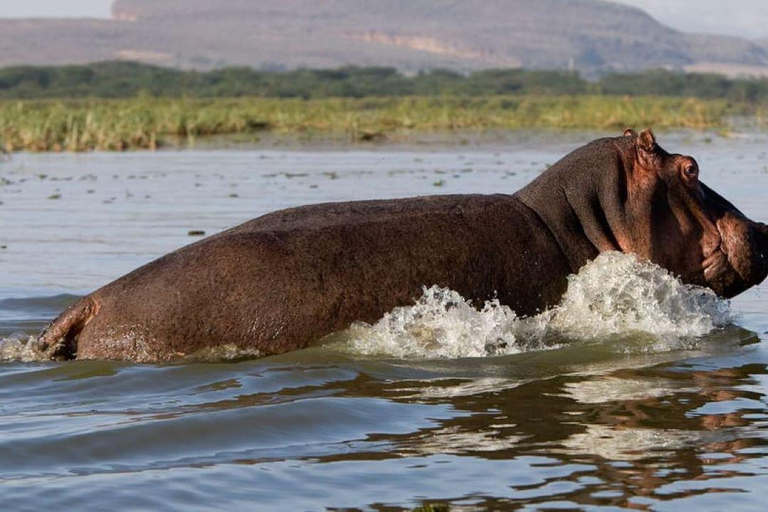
(285, 280)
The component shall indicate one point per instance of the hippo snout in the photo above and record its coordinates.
(743, 256)
(762, 243)
(760, 251)
(763, 229)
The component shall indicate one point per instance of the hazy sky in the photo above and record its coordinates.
(746, 18)
(55, 8)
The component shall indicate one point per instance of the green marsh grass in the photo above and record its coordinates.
(148, 123)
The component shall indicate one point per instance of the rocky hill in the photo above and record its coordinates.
(592, 36)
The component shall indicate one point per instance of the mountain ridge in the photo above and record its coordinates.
(591, 36)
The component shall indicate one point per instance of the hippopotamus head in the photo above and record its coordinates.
(630, 195)
(683, 225)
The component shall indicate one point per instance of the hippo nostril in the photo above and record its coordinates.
(762, 241)
(763, 234)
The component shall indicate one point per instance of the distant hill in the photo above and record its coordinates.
(591, 36)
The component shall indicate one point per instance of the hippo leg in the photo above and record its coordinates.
(59, 340)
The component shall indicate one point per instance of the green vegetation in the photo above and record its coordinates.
(127, 80)
(82, 125)
(440, 507)
(120, 106)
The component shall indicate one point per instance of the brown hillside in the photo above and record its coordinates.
(590, 35)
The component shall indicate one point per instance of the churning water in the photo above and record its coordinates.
(614, 297)
(637, 391)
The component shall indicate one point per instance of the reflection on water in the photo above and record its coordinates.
(372, 434)
(587, 424)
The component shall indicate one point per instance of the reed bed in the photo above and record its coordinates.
(148, 123)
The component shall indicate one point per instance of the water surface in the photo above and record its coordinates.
(656, 422)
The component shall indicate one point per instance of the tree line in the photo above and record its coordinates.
(129, 79)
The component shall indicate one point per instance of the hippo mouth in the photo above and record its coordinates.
(716, 263)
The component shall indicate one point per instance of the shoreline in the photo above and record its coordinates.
(437, 142)
(151, 124)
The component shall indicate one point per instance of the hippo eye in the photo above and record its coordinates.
(691, 171)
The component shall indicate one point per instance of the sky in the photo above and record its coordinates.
(745, 18)
(55, 8)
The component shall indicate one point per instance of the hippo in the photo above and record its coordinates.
(285, 280)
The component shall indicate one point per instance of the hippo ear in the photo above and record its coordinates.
(629, 132)
(646, 149)
(646, 140)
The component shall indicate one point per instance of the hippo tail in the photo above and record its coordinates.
(58, 341)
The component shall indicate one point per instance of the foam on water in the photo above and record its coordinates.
(20, 347)
(441, 324)
(615, 295)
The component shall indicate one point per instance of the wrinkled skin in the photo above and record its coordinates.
(653, 205)
(283, 281)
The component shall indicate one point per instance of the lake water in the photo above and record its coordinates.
(637, 411)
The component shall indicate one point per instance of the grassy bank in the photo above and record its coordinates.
(147, 123)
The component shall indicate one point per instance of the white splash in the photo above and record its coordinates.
(444, 324)
(616, 294)
(20, 347)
